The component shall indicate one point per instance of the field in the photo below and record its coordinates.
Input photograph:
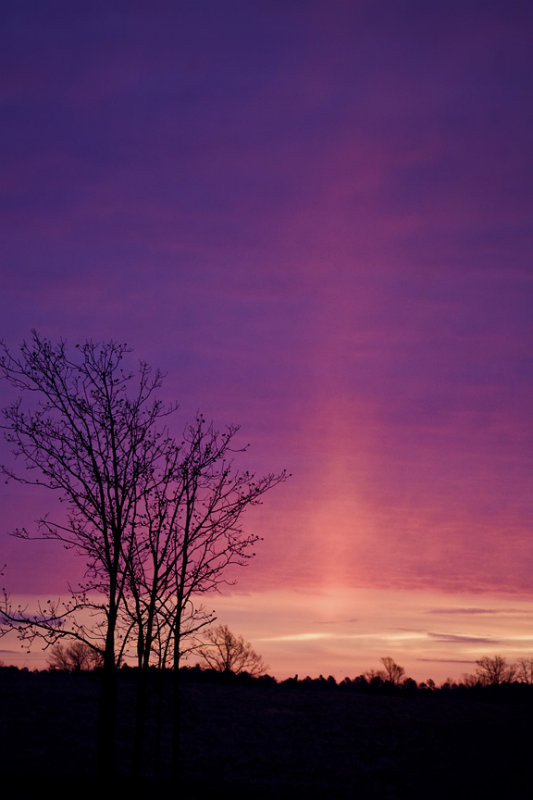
(268, 741)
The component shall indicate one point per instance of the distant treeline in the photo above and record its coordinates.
(369, 684)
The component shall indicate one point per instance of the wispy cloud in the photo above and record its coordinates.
(455, 638)
(475, 610)
(446, 660)
(297, 637)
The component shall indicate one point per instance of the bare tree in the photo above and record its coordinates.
(87, 429)
(225, 652)
(524, 670)
(392, 671)
(75, 657)
(156, 521)
(192, 531)
(494, 671)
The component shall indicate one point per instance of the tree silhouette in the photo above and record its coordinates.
(75, 657)
(156, 520)
(393, 672)
(524, 670)
(85, 428)
(191, 532)
(494, 671)
(223, 651)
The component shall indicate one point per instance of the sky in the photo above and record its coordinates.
(316, 218)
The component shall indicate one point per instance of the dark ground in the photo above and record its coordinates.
(263, 741)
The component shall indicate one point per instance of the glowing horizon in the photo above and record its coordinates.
(432, 634)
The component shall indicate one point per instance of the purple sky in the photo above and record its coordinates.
(316, 217)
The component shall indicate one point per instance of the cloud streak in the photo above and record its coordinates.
(473, 611)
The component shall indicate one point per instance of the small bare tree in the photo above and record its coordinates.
(223, 651)
(524, 670)
(494, 671)
(392, 671)
(75, 657)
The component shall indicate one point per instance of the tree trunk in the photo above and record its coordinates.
(141, 703)
(176, 705)
(108, 705)
(107, 724)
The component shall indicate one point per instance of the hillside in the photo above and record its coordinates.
(274, 741)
